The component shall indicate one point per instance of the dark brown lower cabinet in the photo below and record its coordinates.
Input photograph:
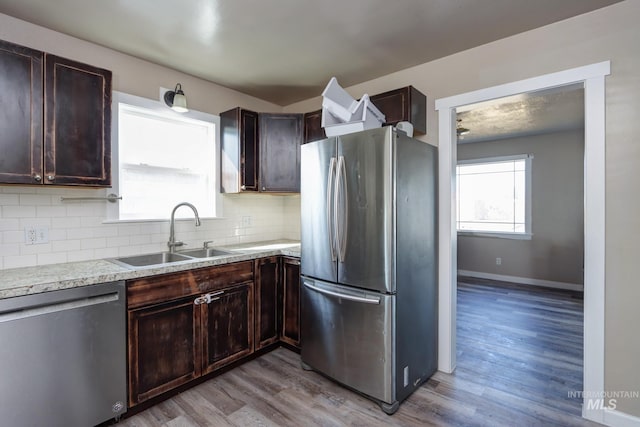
(291, 301)
(267, 301)
(163, 348)
(185, 325)
(227, 326)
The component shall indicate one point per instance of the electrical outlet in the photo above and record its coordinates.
(498, 261)
(36, 235)
(246, 221)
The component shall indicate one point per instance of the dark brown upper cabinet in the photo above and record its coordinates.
(280, 140)
(55, 116)
(404, 104)
(239, 149)
(20, 114)
(313, 130)
(77, 137)
(260, 151)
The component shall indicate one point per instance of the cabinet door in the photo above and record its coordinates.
(77, 123)
(239, 149)
(280, 140)
(313, 130)
(267, 307)
(291, 301)
(20, 114)
(227, 326)
(404, 104)
(163, 348)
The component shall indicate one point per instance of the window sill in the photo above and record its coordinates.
(497, 235)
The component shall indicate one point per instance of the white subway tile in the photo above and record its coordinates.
(66, 245)
(35, 249)
(20, 261)
(107, 230)
(56, 234)
(79, 233)
(35, 199)
(9, 199)
(118, 241)
(51, 211)
(13, 236)
(105, 253)
(83, 255)
(9, 249)
(95, 243)
(18, 211)
(52, 258)
(140, 239)
(9, 224)
(66, 222)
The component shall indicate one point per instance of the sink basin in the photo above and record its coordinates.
(205, 253)
(158, 258)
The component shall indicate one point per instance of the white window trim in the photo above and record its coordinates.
(161, 108)
(527, 234)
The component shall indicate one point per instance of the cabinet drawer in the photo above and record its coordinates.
(167, 287)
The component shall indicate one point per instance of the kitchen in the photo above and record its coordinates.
(276, 217)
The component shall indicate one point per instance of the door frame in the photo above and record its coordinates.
(593, 78)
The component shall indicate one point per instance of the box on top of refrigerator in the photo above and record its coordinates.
(342, 114)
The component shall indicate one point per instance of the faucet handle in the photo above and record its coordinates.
(206, 244)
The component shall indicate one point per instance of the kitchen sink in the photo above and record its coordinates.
(205, 252)
(159, 258)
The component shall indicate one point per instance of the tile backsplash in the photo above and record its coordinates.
(77, 231)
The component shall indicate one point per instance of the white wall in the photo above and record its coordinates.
(611, 33)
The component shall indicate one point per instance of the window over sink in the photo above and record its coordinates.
(163, 158)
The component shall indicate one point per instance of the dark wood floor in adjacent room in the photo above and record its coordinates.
(519, 353)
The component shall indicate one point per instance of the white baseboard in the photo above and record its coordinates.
(620, 419)
(523, 280)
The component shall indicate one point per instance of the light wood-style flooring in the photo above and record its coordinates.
(519, 352)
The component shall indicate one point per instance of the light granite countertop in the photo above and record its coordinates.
(33, 280)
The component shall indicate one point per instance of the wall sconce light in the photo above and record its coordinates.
(176, 100)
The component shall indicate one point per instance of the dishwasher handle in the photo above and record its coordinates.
(365, 299)
(57, 307)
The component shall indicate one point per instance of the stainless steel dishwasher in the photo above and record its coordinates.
(63, 357)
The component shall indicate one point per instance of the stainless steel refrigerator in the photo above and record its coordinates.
(368, 262)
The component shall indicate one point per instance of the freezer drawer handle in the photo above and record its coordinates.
(366, 300)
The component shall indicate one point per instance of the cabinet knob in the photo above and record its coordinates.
(51, 177)
(264, 189)
(37, 178)
(243, 187)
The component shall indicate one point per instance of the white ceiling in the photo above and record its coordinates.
(535, 113)
(285, 51)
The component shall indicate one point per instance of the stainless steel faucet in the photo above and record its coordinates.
(172, 231)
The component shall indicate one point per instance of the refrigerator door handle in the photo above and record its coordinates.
(366, 300)
(331, 212)
(342, 209)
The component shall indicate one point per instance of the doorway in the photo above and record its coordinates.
(592, 76)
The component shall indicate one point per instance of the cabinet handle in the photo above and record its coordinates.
(207, 298)
(37, 178)
(51, 177)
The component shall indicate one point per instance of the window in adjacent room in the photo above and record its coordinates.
(494, 196)
(163, 158)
